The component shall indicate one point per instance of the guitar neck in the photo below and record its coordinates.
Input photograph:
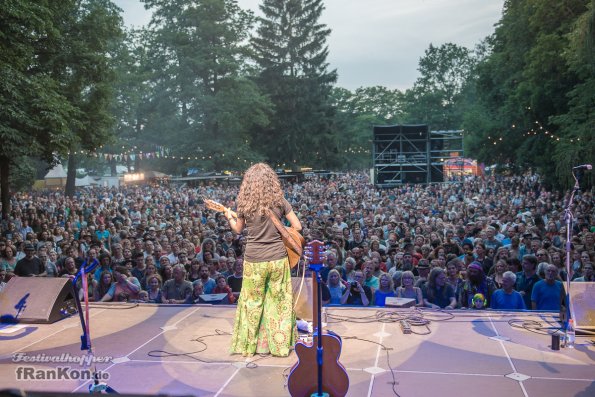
(315, 308)
(215, 206)
(314, 253)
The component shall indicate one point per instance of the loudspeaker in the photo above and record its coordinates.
(582, 296)
(38, 300)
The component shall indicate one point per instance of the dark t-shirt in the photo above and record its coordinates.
(264, 241)
(525, 284)
(440, 296)
(355, 298)
(26, 267)
(235, 283)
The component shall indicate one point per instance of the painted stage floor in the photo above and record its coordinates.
(183, 350)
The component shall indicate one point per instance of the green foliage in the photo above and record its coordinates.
(356, 114)
(90, 30)
(199, 97)
(22, 175)
(436, 96)
(533, 99)
(578, 123)
(34, 113)
(290, 49)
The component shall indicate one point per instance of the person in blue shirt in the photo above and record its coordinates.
(548, 294)
(384, 290)
(506, 298)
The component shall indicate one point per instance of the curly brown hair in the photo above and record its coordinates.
(260, 191)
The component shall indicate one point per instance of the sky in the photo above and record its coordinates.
(380, 42)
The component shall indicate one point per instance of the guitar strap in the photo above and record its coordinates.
(296, 246)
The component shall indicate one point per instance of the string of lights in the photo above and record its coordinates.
(536, 130)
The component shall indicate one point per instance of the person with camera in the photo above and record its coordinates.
(356, 293)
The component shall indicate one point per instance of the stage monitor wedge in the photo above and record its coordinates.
(582, 302)
(37, 300)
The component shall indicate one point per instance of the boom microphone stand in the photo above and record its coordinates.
(569, 218)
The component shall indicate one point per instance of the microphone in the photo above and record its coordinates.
(583, 167)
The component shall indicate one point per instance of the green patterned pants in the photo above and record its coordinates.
(265, 320)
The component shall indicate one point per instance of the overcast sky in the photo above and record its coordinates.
(379, 42)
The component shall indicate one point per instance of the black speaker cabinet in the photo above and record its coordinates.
(38, 300)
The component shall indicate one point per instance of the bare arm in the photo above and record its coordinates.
(420, 298)
(345, 296)
(364, 297)
(294, 221)
(236, 224)
(106, 298)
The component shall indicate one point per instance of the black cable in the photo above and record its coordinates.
(386, 349)
(532, 326)
(218, 332)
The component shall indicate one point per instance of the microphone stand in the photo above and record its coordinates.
(569, 218)
(96, 387)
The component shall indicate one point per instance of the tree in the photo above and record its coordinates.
(132, 95)
(34, 114)
(201, 97)
(436, 96)
(523, 86)
(90, 32)
(290, 49)
(356, 114)
(578, 123)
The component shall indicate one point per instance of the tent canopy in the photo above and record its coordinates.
(56, 172)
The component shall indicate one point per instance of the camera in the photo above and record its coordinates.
(354, 286)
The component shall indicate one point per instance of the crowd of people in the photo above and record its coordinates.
(483, 242)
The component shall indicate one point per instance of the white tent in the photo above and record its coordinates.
(56, 172)
(56, 177)
(85, 181)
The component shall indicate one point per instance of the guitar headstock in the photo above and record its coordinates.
(315, 252)
(213, 205)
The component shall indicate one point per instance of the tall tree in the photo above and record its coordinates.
(523, 86)
(578, 123)
(435, 97)
(91, 31)
(132, 96)
(34, 114)
(202, 100)
(290, 49)
(356, 113)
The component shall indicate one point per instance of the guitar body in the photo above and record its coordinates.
(308, 376)
(303, 377)
(292, 254)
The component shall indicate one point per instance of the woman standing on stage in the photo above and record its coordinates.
(265, 320)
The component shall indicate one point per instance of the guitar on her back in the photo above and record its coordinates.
(318, 372)
(292, 239)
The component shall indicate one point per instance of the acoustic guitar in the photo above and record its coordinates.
(292, 239)
(318, 371)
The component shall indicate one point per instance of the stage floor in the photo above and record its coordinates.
(466, 354)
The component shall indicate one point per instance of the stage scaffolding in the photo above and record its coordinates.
(412, 154)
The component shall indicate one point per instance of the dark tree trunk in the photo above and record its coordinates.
(70, 176)
(4, 186)
(112, 166)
